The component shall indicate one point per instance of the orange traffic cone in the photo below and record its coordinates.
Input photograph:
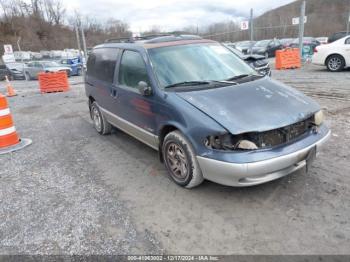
(9, 139)
(10, 90)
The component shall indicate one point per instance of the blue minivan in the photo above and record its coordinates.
(207, 112)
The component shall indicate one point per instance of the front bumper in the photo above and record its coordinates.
(254, 173)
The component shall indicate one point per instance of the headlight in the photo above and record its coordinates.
(229, 142)
(319, 118)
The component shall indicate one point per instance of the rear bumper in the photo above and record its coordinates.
(318, 59)
(254, 173)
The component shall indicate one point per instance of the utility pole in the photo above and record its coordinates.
(84, 42)
(348, 25)
(19, 48)
(79, 47)
(301, 27)
(251, 28)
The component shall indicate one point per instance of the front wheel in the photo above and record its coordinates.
(100, 123)
(180, 160)
(335, 63)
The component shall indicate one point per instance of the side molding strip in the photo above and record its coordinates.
(131, 129)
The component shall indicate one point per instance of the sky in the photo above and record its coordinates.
(170, 15)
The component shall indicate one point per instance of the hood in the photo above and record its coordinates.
(259, 105)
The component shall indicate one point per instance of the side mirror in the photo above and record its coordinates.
(144, 89)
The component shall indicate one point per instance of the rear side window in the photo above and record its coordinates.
(101, 64)
(132, 69)
(347, 41)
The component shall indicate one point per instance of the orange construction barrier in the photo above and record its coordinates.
(288, 58)
(9, 139)
(53, 82)
(10, 90)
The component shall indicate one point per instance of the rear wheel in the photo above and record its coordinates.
(335, 63)
(180, 160)
(100, 123)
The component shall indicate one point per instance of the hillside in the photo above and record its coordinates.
(324, 17)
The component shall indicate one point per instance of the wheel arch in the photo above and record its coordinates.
(164, 130)
(91, 100)
(329, 55)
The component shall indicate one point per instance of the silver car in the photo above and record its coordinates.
(32, 69)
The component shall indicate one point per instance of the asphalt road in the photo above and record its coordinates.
(76, 192)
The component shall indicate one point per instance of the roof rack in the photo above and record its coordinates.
(133, 39)
(153, 38)
(119, 40)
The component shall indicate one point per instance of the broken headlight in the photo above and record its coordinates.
(229, 142)
(318, 118)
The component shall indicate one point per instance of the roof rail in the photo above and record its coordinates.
(119, 40)
(133, 39)
(156, 38)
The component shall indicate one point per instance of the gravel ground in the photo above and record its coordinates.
(76, 192)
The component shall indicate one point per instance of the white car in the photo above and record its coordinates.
(335, 56)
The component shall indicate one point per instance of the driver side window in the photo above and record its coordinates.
(132, 70)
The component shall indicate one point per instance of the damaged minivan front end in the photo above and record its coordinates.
(272, 130)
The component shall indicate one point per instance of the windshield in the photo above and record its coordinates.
(196, 62)
(262, 43)
(50, 64)
(236, 51)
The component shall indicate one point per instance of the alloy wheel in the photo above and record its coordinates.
(334, 63)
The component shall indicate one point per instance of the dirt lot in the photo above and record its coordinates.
(76, 192)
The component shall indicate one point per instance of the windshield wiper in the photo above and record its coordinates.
(237, 77)
(241, 76)
(188, 83)
(204, 82)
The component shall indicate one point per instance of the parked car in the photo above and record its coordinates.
(16, 71)
(286, 42)
(258, 62)
(309, 41)
(244, 46)
(323, 40)
(336, 36)
(208, 113)
(74, 64)
(267, 48)
(335, 56)
(32, 69)
(3, 70)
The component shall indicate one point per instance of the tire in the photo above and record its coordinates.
(100, 123)
(335, 63)
(180, 160)
(266, 55)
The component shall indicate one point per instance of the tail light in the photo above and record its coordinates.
(315, 50)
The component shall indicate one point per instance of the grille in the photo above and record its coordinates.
(282, 135)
